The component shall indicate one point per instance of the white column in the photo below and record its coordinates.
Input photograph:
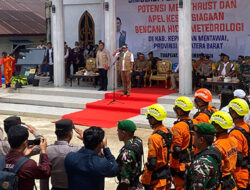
(110, 39)
(58, 43)
(185, 48)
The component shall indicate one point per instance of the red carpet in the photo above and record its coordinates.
(106, 115)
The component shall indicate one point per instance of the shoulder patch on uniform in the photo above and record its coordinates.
(175, 133)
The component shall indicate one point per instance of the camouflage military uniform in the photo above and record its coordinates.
(204, 172)
(245, 69)
(130, 162)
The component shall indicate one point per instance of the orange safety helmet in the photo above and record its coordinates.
(204, 94)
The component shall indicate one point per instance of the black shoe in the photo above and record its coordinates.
(105, 89)
(51, 80)
(100, 89)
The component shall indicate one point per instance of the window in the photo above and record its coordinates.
(87, 29)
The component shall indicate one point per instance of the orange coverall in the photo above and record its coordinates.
(158, 151)
(203, 117)
(181, 138)
(241, 176)
(7, 63)
(228, 146)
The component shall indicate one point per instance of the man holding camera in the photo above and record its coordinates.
(57, 153)
(13, 121)
(29, 171)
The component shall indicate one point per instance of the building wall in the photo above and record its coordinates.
(7, 45)
(73, 11)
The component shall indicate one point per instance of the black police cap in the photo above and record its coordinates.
(64, 125)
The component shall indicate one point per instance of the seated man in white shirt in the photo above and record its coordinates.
(226, 68)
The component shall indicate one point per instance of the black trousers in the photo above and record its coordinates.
(75, 67)
(141, 75)
(51, 71)
(103, 78)
(54, 188)
(68, 65)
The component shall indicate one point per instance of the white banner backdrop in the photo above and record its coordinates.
(219, 26)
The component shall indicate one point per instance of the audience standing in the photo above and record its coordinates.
(103, 61)
(225, 97)
(49, 59)
(10, 122)
(57, 153)
(130, 157)
(86, 168)
(17, 138)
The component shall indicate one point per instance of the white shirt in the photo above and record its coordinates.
(247, 117)
(67, 54)
(225, 109)
(176, 69)
(117, 38)
(224, 68)
(50, 57)
(123, 60)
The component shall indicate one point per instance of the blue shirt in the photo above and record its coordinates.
(86, 170)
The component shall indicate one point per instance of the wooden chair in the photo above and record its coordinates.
(164, 70)
(90, 67)
(91, 64)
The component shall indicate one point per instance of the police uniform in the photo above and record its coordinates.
(56, 154)
(130, 157)
(205, 170)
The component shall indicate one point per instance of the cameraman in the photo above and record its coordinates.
(18, 140)
(8, 123)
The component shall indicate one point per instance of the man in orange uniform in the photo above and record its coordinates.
(238, 108)
(182, 141)
(227, 145)
(156, 175)
(7, 64)
(202, 97)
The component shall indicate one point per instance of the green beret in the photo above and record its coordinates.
(247, 57)
(126, 125)
(204, 128)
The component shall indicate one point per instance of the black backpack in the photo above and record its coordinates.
(207, 112)
(8, 177)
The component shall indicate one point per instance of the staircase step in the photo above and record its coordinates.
(34, 110)
(46, 100)
(170, 99)
(66, 91)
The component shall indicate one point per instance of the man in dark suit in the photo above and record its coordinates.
(49, 58)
